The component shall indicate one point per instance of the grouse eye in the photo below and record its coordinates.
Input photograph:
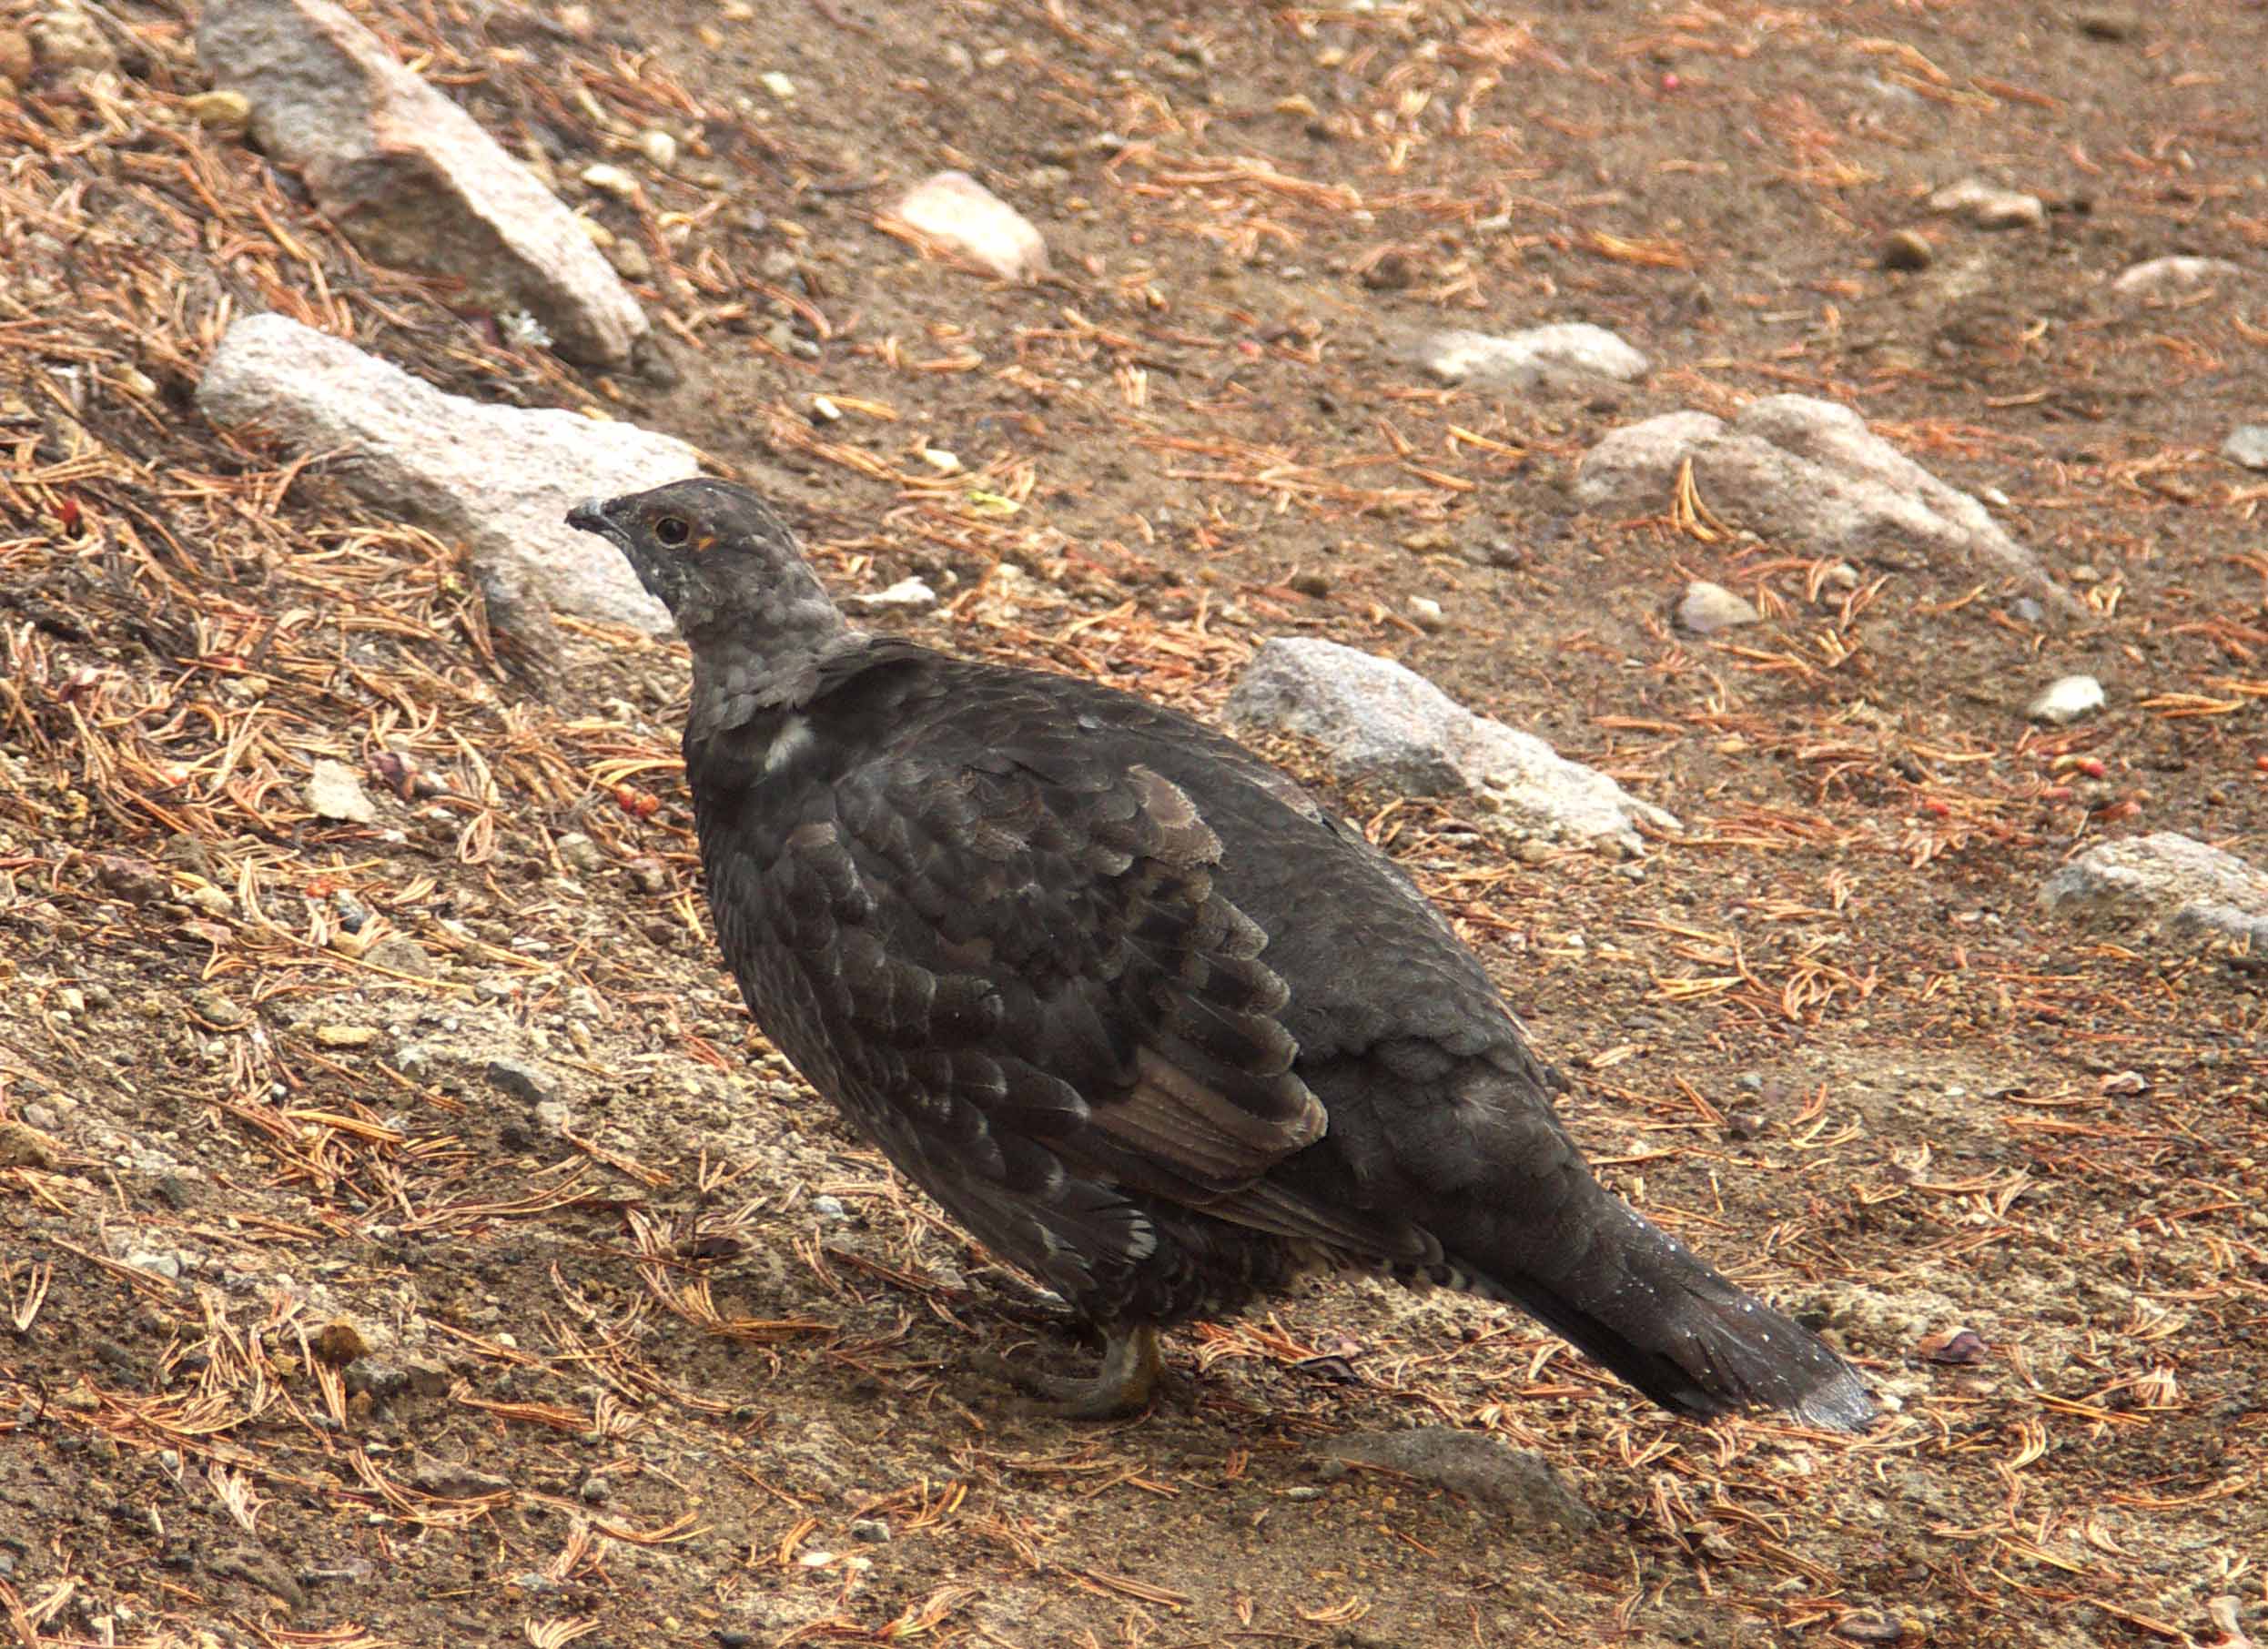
(672, 530)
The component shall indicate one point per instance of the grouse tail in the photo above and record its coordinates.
(1632, 1296)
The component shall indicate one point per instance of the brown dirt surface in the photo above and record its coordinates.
(405, 1239)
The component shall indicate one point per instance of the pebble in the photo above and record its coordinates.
(872, 1530)
(2065, 700)
(1427, 614)
(334, 791)
(401, 954)
(908, 595)
(778, 85)
(2024, 610)
(1989, 206)
(2114, 23)
(157, 1264)
(521, 1081)
(68, 37)
(955, 209)
(829, 1207)
(228, 113)
(345, 1035)
(1706, 609)
(215, 1008)
(2247, 445)
(1908, 249)
(579, 851)
(659, 149)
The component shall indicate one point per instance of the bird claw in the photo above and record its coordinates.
(1132, 1373)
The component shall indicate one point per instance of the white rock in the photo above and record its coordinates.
(2162, 275)
(908, 595)
(1990, 206)
(1809, 471)
(1573, 351)
(2247, 445)
(1382, 723)
(958, 212)
(2066, 699)
(1427, 614)
(1705, 608)
(409, 176)
(2166, 885)
(334, 791)
(499, 480)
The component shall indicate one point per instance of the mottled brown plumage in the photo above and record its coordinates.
(1135, 1010)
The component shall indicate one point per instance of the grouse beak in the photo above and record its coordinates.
(590, 516)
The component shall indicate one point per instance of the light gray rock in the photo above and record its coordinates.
(956, 211)
(410, 176)
(1573, 351)
(2247, 445)
(908, 595)
(1386, 725)
(499, 480)
(1810, 473)
(334, 791)
(1480, 1467)
(2066, 699)
(2161, 276)
(1990, 206)
(2166, 885)
(1706, 609)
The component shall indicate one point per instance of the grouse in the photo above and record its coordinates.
(1141, 1016)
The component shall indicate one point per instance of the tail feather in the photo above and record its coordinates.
(1632, 1296)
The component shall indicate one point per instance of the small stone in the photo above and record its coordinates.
(453, 1480)
(778, 85)
(1990, 206)
(15, 58)
(2024, 610)
(829, 1209)
(23, 1146)
(628, 259)
(1706, 609)
(1569, 353)
(414, 1062)
(338, 1342)
(1475, 1465)
(521, 1081)
(872, 1530)
(222, 111)
(1427, 614)
(2167, 886)
(908, 595)
(2065, 700)
(215, 1008)
(345, 1035)
(659, 149)
(400, 953)
(2111, 23)
(1908, 249)
(580, 852)
(957, 211)
(1315, 584)
(334, 791)
(612, 180)
(2247, 445)
(2162, 276)
(156, 1263)
(68, 37)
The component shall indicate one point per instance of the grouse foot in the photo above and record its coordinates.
(1131, 1372)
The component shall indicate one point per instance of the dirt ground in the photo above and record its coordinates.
(404, 1239)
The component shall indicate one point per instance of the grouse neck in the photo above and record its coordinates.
(742, 670)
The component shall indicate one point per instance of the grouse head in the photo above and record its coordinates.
(719, 559)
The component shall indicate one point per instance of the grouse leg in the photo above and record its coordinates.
(1131, 1372)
